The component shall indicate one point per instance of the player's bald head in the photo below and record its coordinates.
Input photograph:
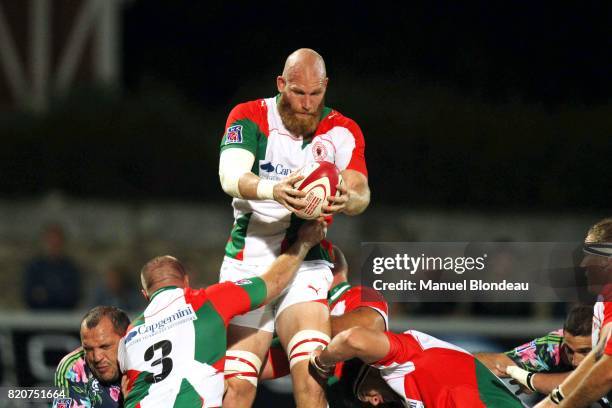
(162, 271)
(304, 61)
(600, 232)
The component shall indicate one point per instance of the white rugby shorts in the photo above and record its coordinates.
(311, 283)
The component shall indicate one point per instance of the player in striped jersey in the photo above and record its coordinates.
(90, 375)
(543, 363)
(414, 369)
(265, 142)
(593, 378)
(173, 355)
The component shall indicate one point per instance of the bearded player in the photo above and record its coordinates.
(265, 142)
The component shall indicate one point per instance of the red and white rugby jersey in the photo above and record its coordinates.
(428, 372)
(602, 315)
(262, 228)
(344, 298)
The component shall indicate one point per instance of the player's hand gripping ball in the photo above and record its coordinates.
(320, 181)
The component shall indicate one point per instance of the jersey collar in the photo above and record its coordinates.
(160, 290)
(337, 291)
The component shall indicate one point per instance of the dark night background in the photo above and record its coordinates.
(490, 105)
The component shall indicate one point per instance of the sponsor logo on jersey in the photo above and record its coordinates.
(62, 402)
(184, 314)
(130, 336)
(243, 282)
(234, 134)
(271, 171)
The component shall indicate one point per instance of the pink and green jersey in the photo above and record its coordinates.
(263, 228)
(428, 372)
(174, 353)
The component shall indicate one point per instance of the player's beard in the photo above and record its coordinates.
(299, 126)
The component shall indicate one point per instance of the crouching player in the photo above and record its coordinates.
(174, 353)
(414, 369)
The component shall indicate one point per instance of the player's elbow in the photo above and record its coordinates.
(229, 184)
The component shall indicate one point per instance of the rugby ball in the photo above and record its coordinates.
(320, 181)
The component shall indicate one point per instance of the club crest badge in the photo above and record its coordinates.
(234, 134)
(319, 151)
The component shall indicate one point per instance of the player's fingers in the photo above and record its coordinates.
(295, 203)
(295, 193)
(293, 178)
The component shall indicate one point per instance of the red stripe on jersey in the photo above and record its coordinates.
(402, 348)
(608, 349)
(228, 300)
(131, 379)
(336, 119)
(255, 111)
(607, 313)
(240, 254)
(195, 297)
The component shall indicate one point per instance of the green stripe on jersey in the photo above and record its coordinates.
(493, 393)
(262, 145)
(210, 327)
(187, 397)
(256, 290)
(336, 292)
(238, 236)
(60, 375)
(139, 391)
(249, 136)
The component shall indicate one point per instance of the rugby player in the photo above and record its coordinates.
(543, 363)
(265, 142)
(90, 374)
(174, 353)
(593, 378)
(350, 306)
(414, 369)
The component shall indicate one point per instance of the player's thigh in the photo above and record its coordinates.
(248, 339)
(302, 316)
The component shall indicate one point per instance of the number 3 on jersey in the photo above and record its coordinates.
(165, 361)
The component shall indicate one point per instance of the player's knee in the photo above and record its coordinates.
(241, 370)
(303, 343)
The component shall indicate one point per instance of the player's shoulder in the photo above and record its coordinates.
(71, 368)
(253, 109)
(333, 118)
(71, 359)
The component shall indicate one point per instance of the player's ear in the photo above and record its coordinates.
(186, 280)
(144, 293)
(280, 83)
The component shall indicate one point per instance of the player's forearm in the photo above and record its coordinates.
(365, 344)
(496, 362)
(573, 379)
(359, 192)
(358, 202)
(546, 382)
(283, 269)
(593, 386)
